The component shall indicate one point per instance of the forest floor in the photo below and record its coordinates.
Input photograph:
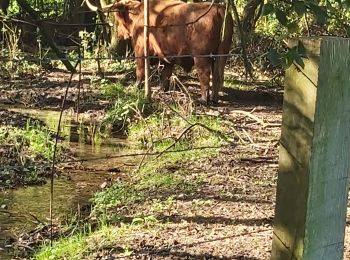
(228, 215)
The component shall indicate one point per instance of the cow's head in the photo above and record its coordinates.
(126, 12)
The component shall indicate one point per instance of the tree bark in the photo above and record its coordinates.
(251, 13)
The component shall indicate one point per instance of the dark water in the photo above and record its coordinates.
(69, 193)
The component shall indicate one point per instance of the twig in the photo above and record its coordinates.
(189, 128)
(143, 119)
(25, 246)
(248, 136)
(248, 114)
(239, 136)
(200, 124)
(247, 65)
(176, 112)
(183, 87)
(307, 25)
(37, 219)
(177, 139)
(143, 158)
(6, 212)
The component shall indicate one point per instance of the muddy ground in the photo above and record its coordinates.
(234, 215)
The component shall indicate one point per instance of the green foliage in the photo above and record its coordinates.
(116, 195)
(126, 101)
(83, 243)
(47, 8)
(40, 141)
(66, 248)
(332, 14)
(295, 54)
(25, 152)
(283, 20)
(161, 173)
(124, 66)
(86, 39)
(162, 130)
(16, 63)
(37, 138)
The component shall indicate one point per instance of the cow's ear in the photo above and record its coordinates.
(121, 12)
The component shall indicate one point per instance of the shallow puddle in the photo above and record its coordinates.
(69, 193)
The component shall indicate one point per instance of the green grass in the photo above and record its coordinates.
(84, 244)
(125, 102)
(36, 138)
(25, 152)
(66, 248)
(163, 132)
(118, 194)
(164, 175)
(149, 191)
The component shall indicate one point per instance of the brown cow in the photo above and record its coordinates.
(178, 28)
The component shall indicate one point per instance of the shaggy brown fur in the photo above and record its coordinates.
(178, 28)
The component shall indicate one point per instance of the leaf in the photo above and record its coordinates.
(293, 55)
(268, 8)
(299, 7)
(301, 49)
(347, 28)
(293, 27)
(137, 221)
(298, 59)
(347, 3)
(281, 17)
(274, 57)
(320, 12)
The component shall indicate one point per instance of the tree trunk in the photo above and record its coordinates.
(46, 35)
(251, 13)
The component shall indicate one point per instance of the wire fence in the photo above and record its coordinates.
(78, 61)
(119, 57)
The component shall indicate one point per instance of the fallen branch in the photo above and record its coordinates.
(186, 130)
(177, 139)
(139, 154)
(143, 158)
(248, 136)
(248, 114)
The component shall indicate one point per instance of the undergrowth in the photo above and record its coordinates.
(24, 154)
(125, 102)
(136, 204)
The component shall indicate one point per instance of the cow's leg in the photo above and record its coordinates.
(218, 77)
(165, 75)
(203, 67)
(140, 71)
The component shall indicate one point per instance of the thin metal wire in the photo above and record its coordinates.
(54, 155)
(5, 58)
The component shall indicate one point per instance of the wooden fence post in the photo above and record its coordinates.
(146, 51)
(314, 159)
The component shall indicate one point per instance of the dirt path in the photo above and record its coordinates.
(230, 215)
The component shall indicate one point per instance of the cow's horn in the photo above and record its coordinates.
(94, 8)
(91, 6)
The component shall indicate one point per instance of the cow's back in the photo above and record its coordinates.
(185, 28)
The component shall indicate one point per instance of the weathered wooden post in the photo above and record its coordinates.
(314, 160)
